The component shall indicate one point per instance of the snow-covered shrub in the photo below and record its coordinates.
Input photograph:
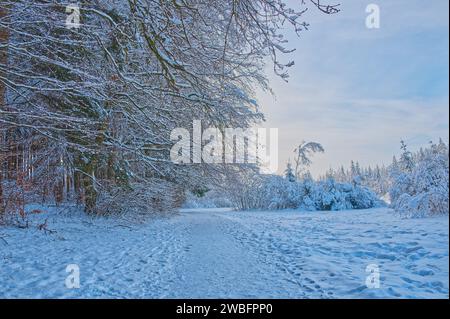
(362, 197)
(330, 195)
(402, 184)
(211, 198)
(422, 205)
(276, 192)
(155, 195)
(308, 202)
(421, 188)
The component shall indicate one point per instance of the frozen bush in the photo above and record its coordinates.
(340, 196)
(211, 198)
(276, 192)
(421, 188)
(154, 196)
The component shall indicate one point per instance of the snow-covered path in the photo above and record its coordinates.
(220, 253)
(216, 263)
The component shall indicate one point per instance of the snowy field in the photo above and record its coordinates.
(224, 254)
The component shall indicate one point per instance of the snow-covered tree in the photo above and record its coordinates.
(87, 112)
(303, 155)
(406, 158)
(289, 173)
(422, 188)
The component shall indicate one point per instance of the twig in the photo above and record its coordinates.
(4, 240)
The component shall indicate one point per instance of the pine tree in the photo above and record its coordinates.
(406, 158)
(289, 173)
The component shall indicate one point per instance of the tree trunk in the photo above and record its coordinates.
(90, 194)
(4, 37)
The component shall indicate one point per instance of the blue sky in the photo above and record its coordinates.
(359, 91)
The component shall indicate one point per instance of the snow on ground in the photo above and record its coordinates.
(218, 253)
